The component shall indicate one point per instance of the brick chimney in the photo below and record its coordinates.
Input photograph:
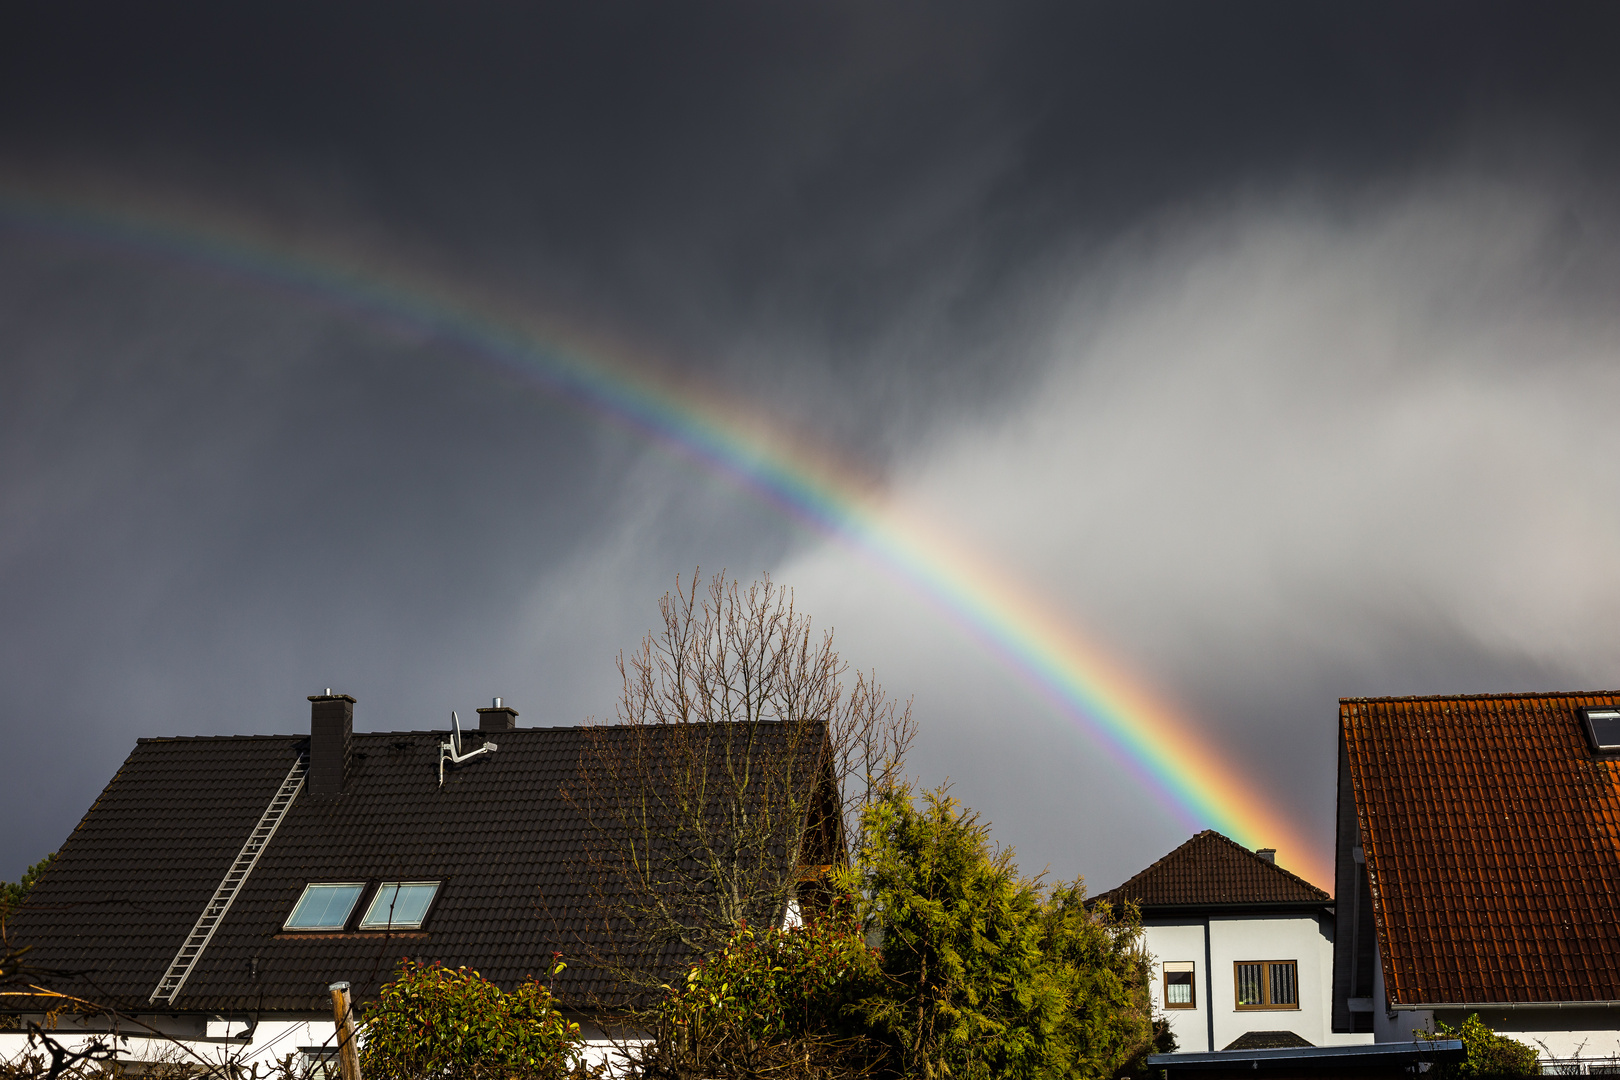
(331, 737)
(497, 717)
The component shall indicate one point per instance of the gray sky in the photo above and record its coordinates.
(1273, 346)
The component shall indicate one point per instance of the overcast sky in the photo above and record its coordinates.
(1277, 346)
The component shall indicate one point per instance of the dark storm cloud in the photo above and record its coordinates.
(1280, 456)
(711, 170)
(870, 218)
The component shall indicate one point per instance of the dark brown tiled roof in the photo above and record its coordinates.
(135, 875)
(1492, 844)
(1211, 870)
(1267, 1040)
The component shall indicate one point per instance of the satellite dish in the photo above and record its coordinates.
(451, 751)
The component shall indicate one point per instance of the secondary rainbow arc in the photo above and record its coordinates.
(1160, 749)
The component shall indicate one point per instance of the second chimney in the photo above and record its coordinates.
(497, 717)
(331, 737)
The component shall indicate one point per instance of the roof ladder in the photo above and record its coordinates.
(168, 988)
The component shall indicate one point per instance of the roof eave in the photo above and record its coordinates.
(1502, 1006)
(1271, 907)
(1349, 1056)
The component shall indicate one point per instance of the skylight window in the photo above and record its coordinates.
(1603, 729)
(324, 906)
(400, 905)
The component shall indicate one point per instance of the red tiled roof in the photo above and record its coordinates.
(1492, 842)
(1211, 869)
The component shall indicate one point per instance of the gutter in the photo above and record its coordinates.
(1322, 1057)
(1504, 1006)
(1279, 907)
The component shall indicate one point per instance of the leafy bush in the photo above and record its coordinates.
(1490, 1056)
(432, 1023)
(774, 984)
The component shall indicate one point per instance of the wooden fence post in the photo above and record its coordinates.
(343, 1017)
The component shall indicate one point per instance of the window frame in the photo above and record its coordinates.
(348, 915)
(1190, 967)
(1265, 986)
(1588, 717)
(387, 927)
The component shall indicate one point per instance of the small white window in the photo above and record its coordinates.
(324, 906)
(1178, 985)
(400, 905)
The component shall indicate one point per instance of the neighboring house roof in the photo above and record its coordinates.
(1212, 871)
(1267, 1040)
(1363, 1061)
(133, 878)
(1491, 835)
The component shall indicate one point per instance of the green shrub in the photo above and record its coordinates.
(1490, 1056)
(776, 984)
(985, 973)
(981, 973)
(432, 1023)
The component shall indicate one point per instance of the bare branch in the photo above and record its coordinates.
(738, 765)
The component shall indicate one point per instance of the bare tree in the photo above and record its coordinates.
(732, 780)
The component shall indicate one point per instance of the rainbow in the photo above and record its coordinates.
(1161, 750)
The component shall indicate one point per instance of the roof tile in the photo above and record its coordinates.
(1211, 869)
(1492, 842)
(131, 880)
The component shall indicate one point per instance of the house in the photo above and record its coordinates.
(1478, 869)
(220, 884)
(1241, 949)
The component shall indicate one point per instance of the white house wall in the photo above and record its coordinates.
(1214, 945)
(198, 1039)
(185, 1038)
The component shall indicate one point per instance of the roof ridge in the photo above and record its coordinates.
(205, 738)
(1208, 835)
(438, 732)
(1482, 697)
(1264, 862)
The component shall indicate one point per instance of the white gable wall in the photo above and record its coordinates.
(1214, 945)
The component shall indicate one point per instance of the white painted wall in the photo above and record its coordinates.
(1178, 942)
(1305, 939)
(272, 1040)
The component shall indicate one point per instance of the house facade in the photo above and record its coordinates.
(1241, 949)
(220, 885)
(1478, 870)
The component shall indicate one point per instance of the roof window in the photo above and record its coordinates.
(400, 905)
(324, 906)
(1602, 729)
